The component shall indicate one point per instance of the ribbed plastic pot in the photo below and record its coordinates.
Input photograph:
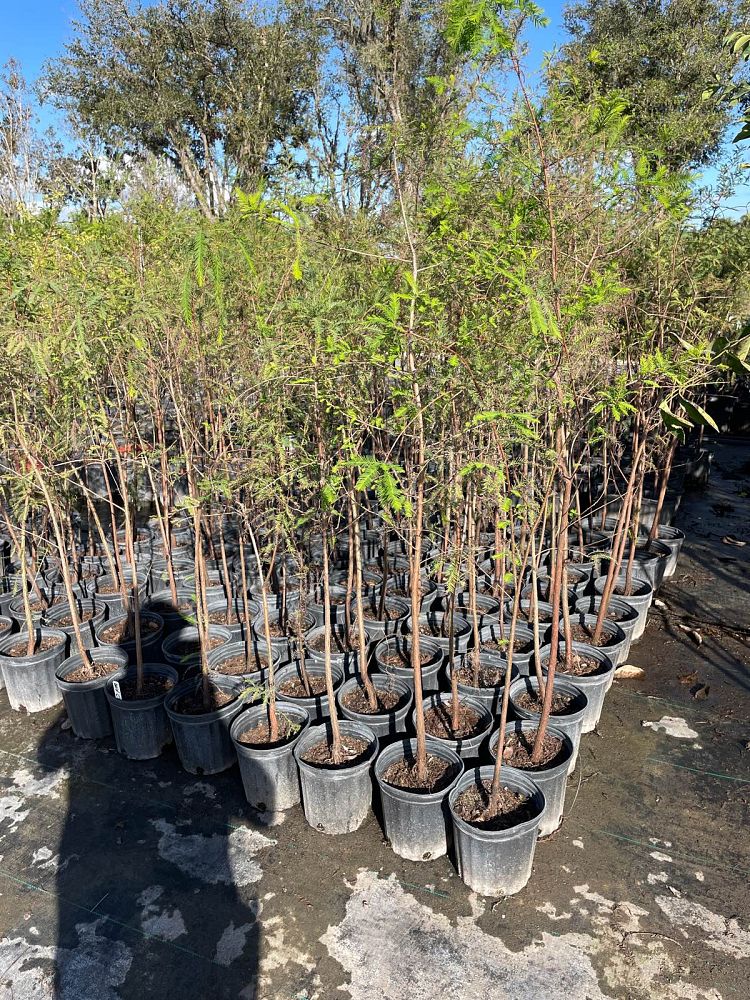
(488, 608)
(651, 562)
(490, 697)
(383, 724)
(113, 600)
(270, 776)
(348, 660)
(140, 725)
(338, 611)
(627, 616)
(470, 747)
(30, 680)
(183, 662)
(379, 628)
(594, 686)
(203, 743)
(618, 644)
(542, 590)
(285, 645)
(17, 613)
(317, 706)
(258, 655)
(525, 615)
(417, 824)
(174, 616)
(56, 612)
(151, 646)
(552, 780)
(401, 582)
(570, 723)
(521, 659)
(402, 644)
(496, 862)
(435, 620)
(6, 625)
(336, 799)
(673, 539)
(640, 598)
(86, 702)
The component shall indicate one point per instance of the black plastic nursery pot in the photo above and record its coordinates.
(152, 628)
(105, 591)
(619, 611)
(203, 743)
(220, 660)
(186, 660)
(398, 648)
(89, 615)
(640, 597)
(497, 862)
(30, 680)
(396, 611)
(615, 641)
(432, 624)
(17, 613)
(673, 539)
(651, 562)
(140, 725)
(336, 799)
(493, 636)
(343, 654)
(383, 723)
(316, 704)
(467, 747)
(270, 776)
(594, 685)
(551, 778)
(337, 607)
(571, 722)
(6, 625)
(86, 701)
(399, 585)
(417, 823)
(285, 645)
(174, 615)
(488, 608)
(490, 695)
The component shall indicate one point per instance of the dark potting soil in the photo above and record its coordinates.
(489, 677)
(584, 633)
(152, 687)
(622, 591)
(353, 750)
(501, 645)
(357, 701)
(67, 620)
(221, 618)
(562, 704)
(111, 588)
(187, 647)
(340, 642)
(119, 632)
(41, 646)
(403, 774)
(235, 666)
(437, 722)
(543, 615)
(195, 704)
(520, 746)
(92, 672)
(472, 807)
(580, 666)
(389, 614)
(260, 734)
(294, 688)
(436, 630)
(404, 660)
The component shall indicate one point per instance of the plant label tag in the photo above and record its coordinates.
(116, 689)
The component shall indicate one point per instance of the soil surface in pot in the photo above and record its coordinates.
(195, 704)
(437, 630)
(580, 665)
(404, 659)
(403, 774)
(187, 647)
(472, 807)
(501, 645)
(152, 687)
(520, 746)
(340, 642)
(40, 646)
(357, 701)
(221, 618)
(294, 688)
(584, 633)
(236, 666)
(260, 734)
(67, 620)
(92, 671)
(562, 704)
(489, 677)
(437, 722)
(119, 632)
(372, 613)
(353, 749)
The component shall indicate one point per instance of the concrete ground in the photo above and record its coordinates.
(125, 880)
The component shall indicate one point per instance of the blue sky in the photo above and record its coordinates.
(35, 30)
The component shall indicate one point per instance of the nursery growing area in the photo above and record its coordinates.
(373, 521)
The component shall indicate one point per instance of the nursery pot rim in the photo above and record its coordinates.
(396, 751)
(519, 782)
(529, 725)
(312, 735)
(72, 662)
(131, 673)
(187, 686)
(42, 631)
(240, 724)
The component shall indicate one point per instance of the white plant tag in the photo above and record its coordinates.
(116, 689)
